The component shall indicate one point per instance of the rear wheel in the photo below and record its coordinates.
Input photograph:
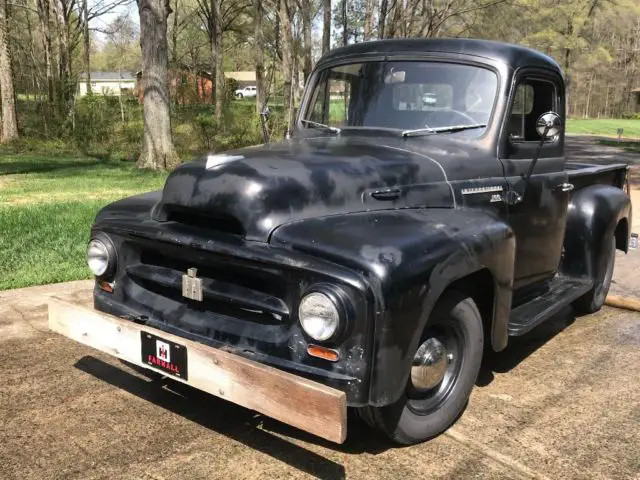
(443, 372)
(593, 300)
(239, 95)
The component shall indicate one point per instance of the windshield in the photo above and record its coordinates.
(403, 95)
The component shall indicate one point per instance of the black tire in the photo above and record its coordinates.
(239, 96)
(414, 419)
(593, 300)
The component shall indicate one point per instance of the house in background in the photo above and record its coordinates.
(107, 83)
(185, 86)
(244, 79)
(189, 87)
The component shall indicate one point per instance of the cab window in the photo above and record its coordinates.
(532, 98)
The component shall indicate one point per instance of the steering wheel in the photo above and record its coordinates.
(472, 120)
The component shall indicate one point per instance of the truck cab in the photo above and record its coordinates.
(422, 212)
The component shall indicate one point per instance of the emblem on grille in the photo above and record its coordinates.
(192, 285)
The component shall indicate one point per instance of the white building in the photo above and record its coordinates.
(107, 83)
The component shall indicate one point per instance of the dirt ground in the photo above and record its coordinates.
(561, 402)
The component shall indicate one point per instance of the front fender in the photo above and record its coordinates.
(594, 213)
(409, 257)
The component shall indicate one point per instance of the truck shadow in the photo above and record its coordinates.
(265, 434)
(520, 348)
(242, 425)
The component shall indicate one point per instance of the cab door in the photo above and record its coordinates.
(538, 216)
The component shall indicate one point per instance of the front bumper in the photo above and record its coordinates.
(106, 304)
(298, 401)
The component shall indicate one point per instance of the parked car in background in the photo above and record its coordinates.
(249, 91)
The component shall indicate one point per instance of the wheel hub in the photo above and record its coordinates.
(429, 364)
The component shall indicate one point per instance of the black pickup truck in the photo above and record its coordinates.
(422, 212)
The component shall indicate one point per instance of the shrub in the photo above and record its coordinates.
(230, 87)
(94, 119)
(631, 115)
(207, 127)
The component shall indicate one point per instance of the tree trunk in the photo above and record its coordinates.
(220, 86)
(382, 19)
(306, 38)
(287, 60)
(259, 54)
(64, 71)
(216, 59)
(326, 26)
(174, 36)
(395, 26)
(345, 31)
(9, 120)
(157, 147)
(586, 108)
(87, 44)
(368, 19)
(45, 26)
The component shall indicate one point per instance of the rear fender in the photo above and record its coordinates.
(593, 217)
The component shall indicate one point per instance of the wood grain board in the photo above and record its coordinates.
(305, 404)
(628, 303)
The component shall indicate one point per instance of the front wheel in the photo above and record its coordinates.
(444, 369)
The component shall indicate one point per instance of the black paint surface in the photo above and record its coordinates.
(389, 221)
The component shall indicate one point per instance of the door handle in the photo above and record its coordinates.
(564, 187)
(387, 194)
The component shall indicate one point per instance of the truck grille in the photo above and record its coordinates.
(234, 291)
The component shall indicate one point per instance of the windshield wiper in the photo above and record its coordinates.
(327, 128)
(430, 131)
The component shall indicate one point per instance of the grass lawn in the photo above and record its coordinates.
(604, 126)
(47, 206)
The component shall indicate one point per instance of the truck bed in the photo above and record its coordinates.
(584, 174)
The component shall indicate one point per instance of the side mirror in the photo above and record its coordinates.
(548, 125)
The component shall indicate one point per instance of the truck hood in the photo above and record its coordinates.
(256, 189)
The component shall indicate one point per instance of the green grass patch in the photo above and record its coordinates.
(604, 126)
(47, 206)
(45, 243)
(33, 178)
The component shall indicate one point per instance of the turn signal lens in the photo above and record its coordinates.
(106, 286)
(323, 352)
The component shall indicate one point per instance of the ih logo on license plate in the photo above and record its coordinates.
(192, 285)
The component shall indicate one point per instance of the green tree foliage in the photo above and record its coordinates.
(120, 48)
(596, 42)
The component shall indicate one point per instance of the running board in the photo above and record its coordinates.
(562, 292)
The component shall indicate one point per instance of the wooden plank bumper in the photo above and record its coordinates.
(305, 404)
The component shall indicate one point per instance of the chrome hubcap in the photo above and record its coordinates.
(429, 364)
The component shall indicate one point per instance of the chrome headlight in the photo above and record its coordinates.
(319, 316)
(98, 257)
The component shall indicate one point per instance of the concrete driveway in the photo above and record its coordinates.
(563, 402)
